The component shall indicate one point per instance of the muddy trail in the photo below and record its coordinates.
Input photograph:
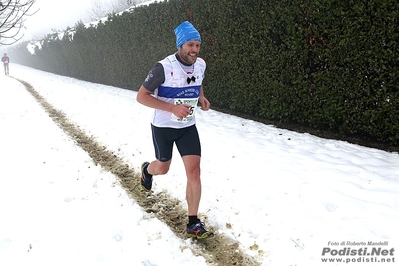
(219, 250)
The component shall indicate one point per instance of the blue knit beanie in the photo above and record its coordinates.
(186, 32)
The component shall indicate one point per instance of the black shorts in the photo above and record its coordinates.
(186, 139)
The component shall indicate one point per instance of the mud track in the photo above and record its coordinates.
(219, 250)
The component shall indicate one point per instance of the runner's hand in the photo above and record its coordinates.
(181, 110)
(205, 104)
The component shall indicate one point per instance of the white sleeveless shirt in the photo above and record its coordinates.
(179, 87)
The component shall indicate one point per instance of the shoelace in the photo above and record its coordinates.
(200, 224)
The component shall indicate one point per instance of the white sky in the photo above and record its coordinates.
(59, 14)
(55, 15)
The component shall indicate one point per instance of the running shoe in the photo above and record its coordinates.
(146, 179)
(198, 231)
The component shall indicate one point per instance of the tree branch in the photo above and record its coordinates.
(12, 19)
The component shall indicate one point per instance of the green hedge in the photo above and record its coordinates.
(329, 65)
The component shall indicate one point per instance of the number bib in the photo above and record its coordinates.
(189, 101)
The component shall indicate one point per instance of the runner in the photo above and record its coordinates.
(173, 88)
(6, 60)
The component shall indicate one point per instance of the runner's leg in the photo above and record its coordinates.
(193, 189)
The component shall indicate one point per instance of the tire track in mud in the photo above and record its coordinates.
(219, 250)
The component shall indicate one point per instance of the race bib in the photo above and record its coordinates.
(189, 101)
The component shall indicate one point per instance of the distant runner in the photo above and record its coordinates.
(6, 60)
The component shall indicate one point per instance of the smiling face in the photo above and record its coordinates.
(188, 52)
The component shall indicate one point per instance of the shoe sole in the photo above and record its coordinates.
(203, 236)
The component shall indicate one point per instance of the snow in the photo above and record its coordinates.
(291, 194)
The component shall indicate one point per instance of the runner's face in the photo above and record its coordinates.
(188, 52)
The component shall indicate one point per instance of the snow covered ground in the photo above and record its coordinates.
(294, 196)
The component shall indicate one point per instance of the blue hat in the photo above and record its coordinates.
(186, 32)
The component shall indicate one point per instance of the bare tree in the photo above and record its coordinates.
(97, 10)
(101, 8)
(12, 18)
(119, 5)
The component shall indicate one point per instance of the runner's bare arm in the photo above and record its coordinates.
(145, 97)
(205, 104)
